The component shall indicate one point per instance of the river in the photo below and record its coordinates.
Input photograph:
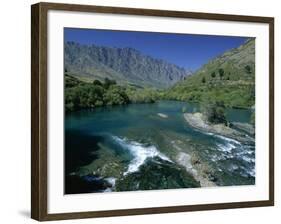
(149, 147)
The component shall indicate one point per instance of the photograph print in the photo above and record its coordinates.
(154, 111)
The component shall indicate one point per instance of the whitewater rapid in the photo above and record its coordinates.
(231, 148)
(140, 153)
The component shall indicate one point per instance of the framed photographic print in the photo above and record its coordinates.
(139, 111)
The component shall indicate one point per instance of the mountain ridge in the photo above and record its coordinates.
(125, 65)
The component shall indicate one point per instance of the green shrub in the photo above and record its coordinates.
(248, 69)
(108, 83)
(215, 113)
(221, 73)
(97, 82)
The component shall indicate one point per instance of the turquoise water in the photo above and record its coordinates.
(133, 147)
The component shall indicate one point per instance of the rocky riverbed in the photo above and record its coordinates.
(198, 121)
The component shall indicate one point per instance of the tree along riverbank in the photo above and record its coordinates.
(85, 95)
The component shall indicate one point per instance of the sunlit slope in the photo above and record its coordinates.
(229, 78)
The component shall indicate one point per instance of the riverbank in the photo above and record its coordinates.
(198, 121)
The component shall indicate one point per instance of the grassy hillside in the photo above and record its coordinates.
(229, 78)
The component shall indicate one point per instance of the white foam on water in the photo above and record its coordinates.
(226, 148)
(252, 172)
(247, 159)
(209, 133)
(228, 145)
(243, 152)
(228, 139)
(233, 167)
(246, 172)
(111, 180)
(140, 153)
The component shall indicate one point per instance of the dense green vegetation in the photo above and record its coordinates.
(233, 95)
(82, 95)
(229, 78)
(214, 112)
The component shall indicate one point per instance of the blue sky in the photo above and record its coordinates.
(186, 50)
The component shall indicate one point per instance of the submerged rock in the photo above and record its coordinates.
(107, 164)
(199, 173)
(157, 174)
(162, 115)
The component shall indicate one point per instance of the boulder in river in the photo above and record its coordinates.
(162, 115)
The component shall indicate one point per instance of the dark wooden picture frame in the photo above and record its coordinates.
(39, 148)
